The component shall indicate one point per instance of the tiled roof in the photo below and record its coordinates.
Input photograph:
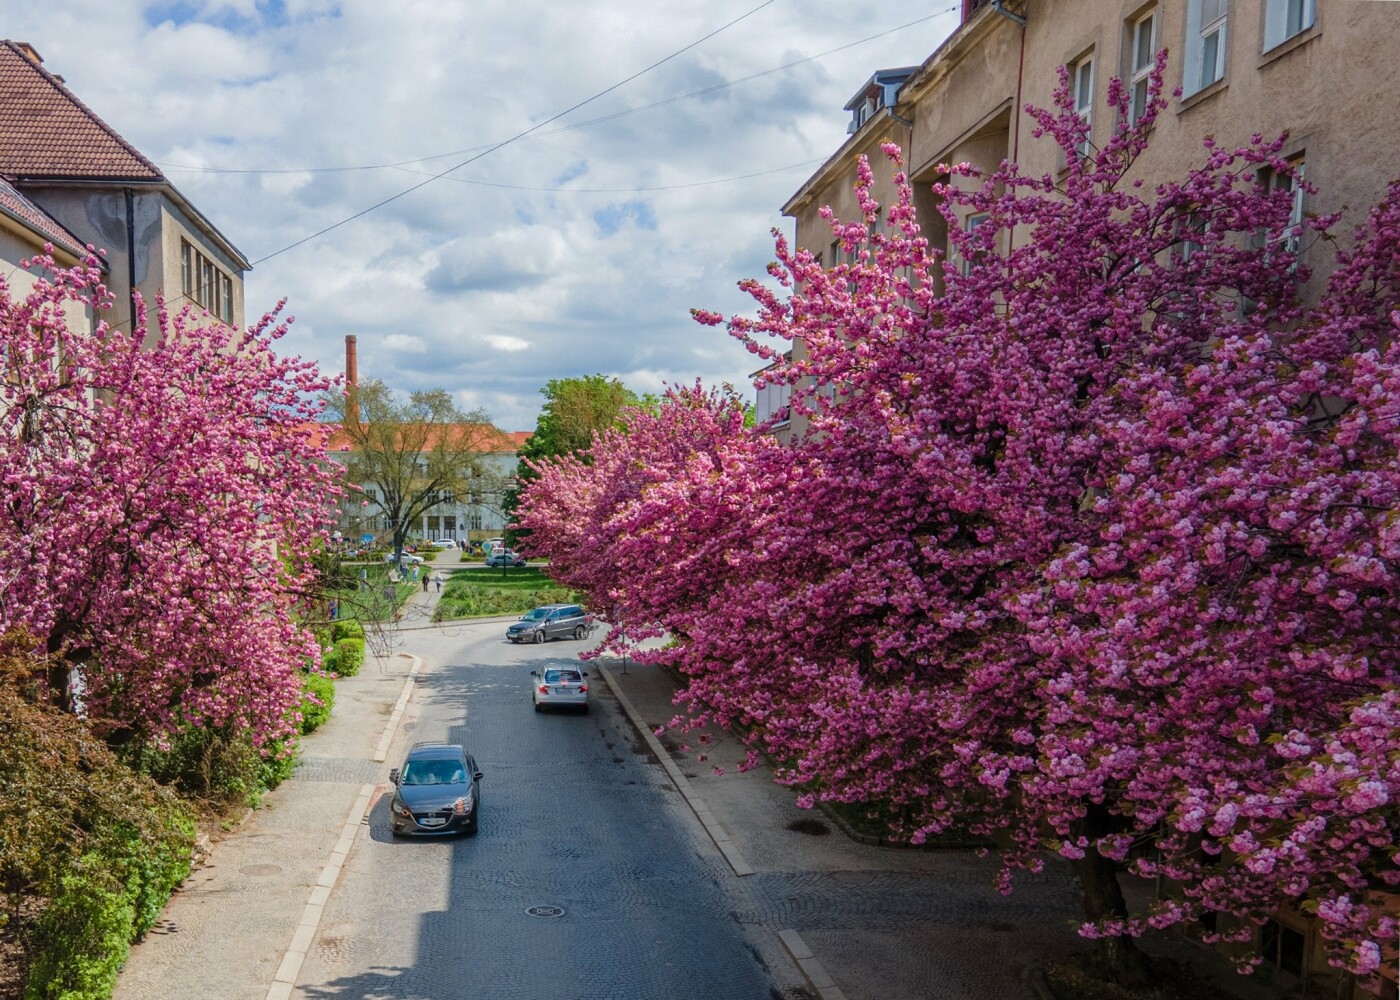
(17, 206)
(488, 440)
(47, 132)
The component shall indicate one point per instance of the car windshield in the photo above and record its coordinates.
(433, 772)
(539, 614)
(562, 677)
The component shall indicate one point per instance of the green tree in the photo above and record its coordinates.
(408, 457)
(574, 410)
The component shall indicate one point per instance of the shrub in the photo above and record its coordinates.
(317, 698)
(349, 656)
(465, 600)
(83, 937)
(329, 663)
(347, 628)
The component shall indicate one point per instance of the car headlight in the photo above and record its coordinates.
(462, 805)
(401, 809)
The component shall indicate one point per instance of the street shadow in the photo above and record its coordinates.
(378, 983)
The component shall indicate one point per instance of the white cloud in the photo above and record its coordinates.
(508, 271)
(405, 342)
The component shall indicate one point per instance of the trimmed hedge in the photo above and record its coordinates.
(347, 628)
(318, 695)
(349, 656)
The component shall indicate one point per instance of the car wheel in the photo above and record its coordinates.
(539, 636)
(585, 708)
(539, 707)
(580, 633)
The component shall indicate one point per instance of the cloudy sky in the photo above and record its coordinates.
(578, 248)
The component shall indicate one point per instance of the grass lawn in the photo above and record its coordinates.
(477, 592)
(375, 601)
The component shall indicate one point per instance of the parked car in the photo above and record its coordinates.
(407, 558)
(552, 621)
(559, 686)
(446, 543)
(505, 557)
(437, 791)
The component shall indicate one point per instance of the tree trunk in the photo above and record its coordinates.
(1115, 959)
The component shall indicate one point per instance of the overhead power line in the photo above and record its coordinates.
(517, 136)
(611, 116)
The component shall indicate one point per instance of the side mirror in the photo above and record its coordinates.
(477, 775)
(585, 673)
(534, 673)
(394, 775)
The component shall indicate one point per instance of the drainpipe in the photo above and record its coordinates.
(997, 6)
(131, 255)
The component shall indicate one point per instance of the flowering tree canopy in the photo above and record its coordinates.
(1092, 543)
(156, 506)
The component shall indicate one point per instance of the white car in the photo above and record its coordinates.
(408, 557)
(566, 686)
(445, 543)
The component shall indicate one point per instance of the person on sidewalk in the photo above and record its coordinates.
(425, 583)
(437, 579)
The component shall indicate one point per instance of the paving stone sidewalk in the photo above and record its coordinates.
(225, 929)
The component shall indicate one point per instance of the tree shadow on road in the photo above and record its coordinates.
(378, 983)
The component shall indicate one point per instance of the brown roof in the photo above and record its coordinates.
(47, 132)
(18, 207)
(489, 439)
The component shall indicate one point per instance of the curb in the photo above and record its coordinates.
(682, 783)
(381, 752)
(817, 976)
(286, 979)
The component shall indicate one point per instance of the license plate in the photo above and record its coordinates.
(563, 690)
(432, 821)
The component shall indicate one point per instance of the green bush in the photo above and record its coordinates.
(347, 628)
(349, 656)
(317, 698)
(465, 600)
(329, 663)
(279, 760)
(84, 936)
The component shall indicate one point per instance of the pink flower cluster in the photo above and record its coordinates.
(157, 501)
(1093, 546)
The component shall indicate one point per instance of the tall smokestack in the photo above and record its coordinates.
(352, 366)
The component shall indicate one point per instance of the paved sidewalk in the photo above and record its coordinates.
(226, 929)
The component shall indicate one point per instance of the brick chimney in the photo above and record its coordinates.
(352, 366)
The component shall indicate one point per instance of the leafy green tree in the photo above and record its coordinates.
(575, 410)
(409, 457)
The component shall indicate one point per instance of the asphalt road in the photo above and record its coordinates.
(573, 818)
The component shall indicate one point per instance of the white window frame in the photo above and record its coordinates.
(1082, 94)
(1283, 19)
(1140, 63)
(1201, 72)
(969, 224)
(1292, 181)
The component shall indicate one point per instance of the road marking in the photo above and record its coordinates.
(682, 783)
(305, 934)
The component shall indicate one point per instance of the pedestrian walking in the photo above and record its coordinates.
(437, 579)
(425, 583)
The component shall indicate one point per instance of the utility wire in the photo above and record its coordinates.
(634, 190)
(517, 136)
(612, 116)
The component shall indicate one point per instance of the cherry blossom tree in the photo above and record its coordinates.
(157, 504)
(1091, 546)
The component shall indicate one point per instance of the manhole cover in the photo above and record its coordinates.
(545, 911)
(261, 870)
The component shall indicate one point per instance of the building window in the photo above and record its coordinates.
(1285, 18)
(1282, 946)
(1205, 43)
(1190, 229)
(1081, 82)
(1142, 50)
(973, 256)
(1290, 180)
(204, 284)
(773, 403)
(475, 522)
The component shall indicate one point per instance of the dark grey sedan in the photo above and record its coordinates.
(437, 791)
(552, 621)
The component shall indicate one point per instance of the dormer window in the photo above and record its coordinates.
(880, 91)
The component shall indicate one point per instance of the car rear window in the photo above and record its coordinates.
(562, 677)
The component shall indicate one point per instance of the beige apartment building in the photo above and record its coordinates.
(1324, 71)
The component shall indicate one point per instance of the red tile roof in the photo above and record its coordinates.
(17, 206)
(47, 132)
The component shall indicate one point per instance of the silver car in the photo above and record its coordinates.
(559, 686)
